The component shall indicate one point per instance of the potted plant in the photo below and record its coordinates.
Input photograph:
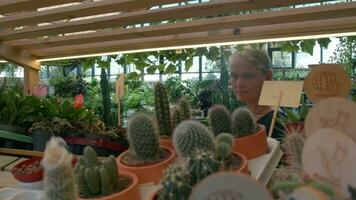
(145, 158)
(163, 114)
(43, 130)
(243, 127)
(101, 180)
(294, 121)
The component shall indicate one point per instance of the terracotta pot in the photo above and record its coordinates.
(253, 145)
(130, 193)
(149, 173)
(296, 126)
(166, 143)
(244, 167)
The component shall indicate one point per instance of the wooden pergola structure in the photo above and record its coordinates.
(33, 30)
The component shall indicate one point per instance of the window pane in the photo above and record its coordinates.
(194, 76)
(154, 77)
(281, 59)
(211, 76)
(304, 59)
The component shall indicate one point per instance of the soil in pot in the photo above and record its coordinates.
(40, 139)
(129, 159)
(232, 164)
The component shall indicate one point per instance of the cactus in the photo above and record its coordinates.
(243, 123)
(293, 145)
(219, 119)
(223, 151)
(96, 179)
(200, 165)
(162, 110)
(177, 116)
(226, 138)
(176, 184)
(58, 179)
(105, 91)
(143, 139)
(184, 107)
(190, 136)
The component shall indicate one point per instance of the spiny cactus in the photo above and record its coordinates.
(58, 179)
(190, 136)
(162, 110)
(184, 107)
(293, 145)
(223, 151)
(176, 184)
(96, 179)
(177, 116)
(226, 138)
(200, 165)
(243, 123)
(143, 139)
(219, 119)
(225, 144)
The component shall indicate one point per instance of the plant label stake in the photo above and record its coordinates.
(120, 85)
(280, 93)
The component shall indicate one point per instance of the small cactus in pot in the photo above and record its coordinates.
(243, 123)
(219, 119)
(162, 111)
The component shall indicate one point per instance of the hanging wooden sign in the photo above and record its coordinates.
(326, 80)
(228, 185)
(336, 113)
(330, 154)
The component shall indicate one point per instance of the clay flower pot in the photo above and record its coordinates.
(132, 192)
(244, 167)
(253, 145)
(148, 173)
(166, 142)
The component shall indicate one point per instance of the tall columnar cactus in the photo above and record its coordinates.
(293, 145)
(58, 179)
(96, 178)
(177, 116)
(190, 136)
(143, 139)
(200, 165)
(176, 184)
(185, 110)
(243, 123)
(162, 110)
(105, 91)
(219, 119)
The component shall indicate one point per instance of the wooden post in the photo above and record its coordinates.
(275, 114)
(31, 79)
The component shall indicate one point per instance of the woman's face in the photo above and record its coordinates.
(246, 80)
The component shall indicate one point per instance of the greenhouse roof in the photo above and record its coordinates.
(33, 30)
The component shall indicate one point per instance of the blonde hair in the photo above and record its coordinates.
(256, 58)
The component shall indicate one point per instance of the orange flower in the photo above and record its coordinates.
(78, 101)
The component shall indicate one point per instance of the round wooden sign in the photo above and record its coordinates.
(330, 154)
(335, 113)
(327, 80)
(230, 186)
(305, 192)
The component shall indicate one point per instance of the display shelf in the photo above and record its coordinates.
(261, 169)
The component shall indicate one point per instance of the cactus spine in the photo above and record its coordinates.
(177, 116)
(58, 179)
(243, 123)
(219, 119)
(184, 107)
(162, 110)
(96, 179)
(143, 139)
(190, 136)
(293, 145)
(175, 184)
(200, 165)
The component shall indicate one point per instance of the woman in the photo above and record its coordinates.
(248, 71)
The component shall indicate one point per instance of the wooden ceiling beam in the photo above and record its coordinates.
(9, 6)
(341, 25)
(186, 11)
(19, 57)
(82, 10)
(273, 17)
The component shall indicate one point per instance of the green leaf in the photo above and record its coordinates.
(290, 46)
(133, 75)
(324, 42)
(151, 69)
(170, 69)
(213, 53)
(307, 46)
(161, 67)
(188, 64)
(201, 51)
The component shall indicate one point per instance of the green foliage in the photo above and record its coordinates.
(162, 110)
(137, 95)
(292, 116)
(243, 123)
(95, 178)
(175, 184)
(219, 119)
(69, 86)
(143, 139)
(105, 92)
(191, 136)
(304, 45)
(343, 54)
